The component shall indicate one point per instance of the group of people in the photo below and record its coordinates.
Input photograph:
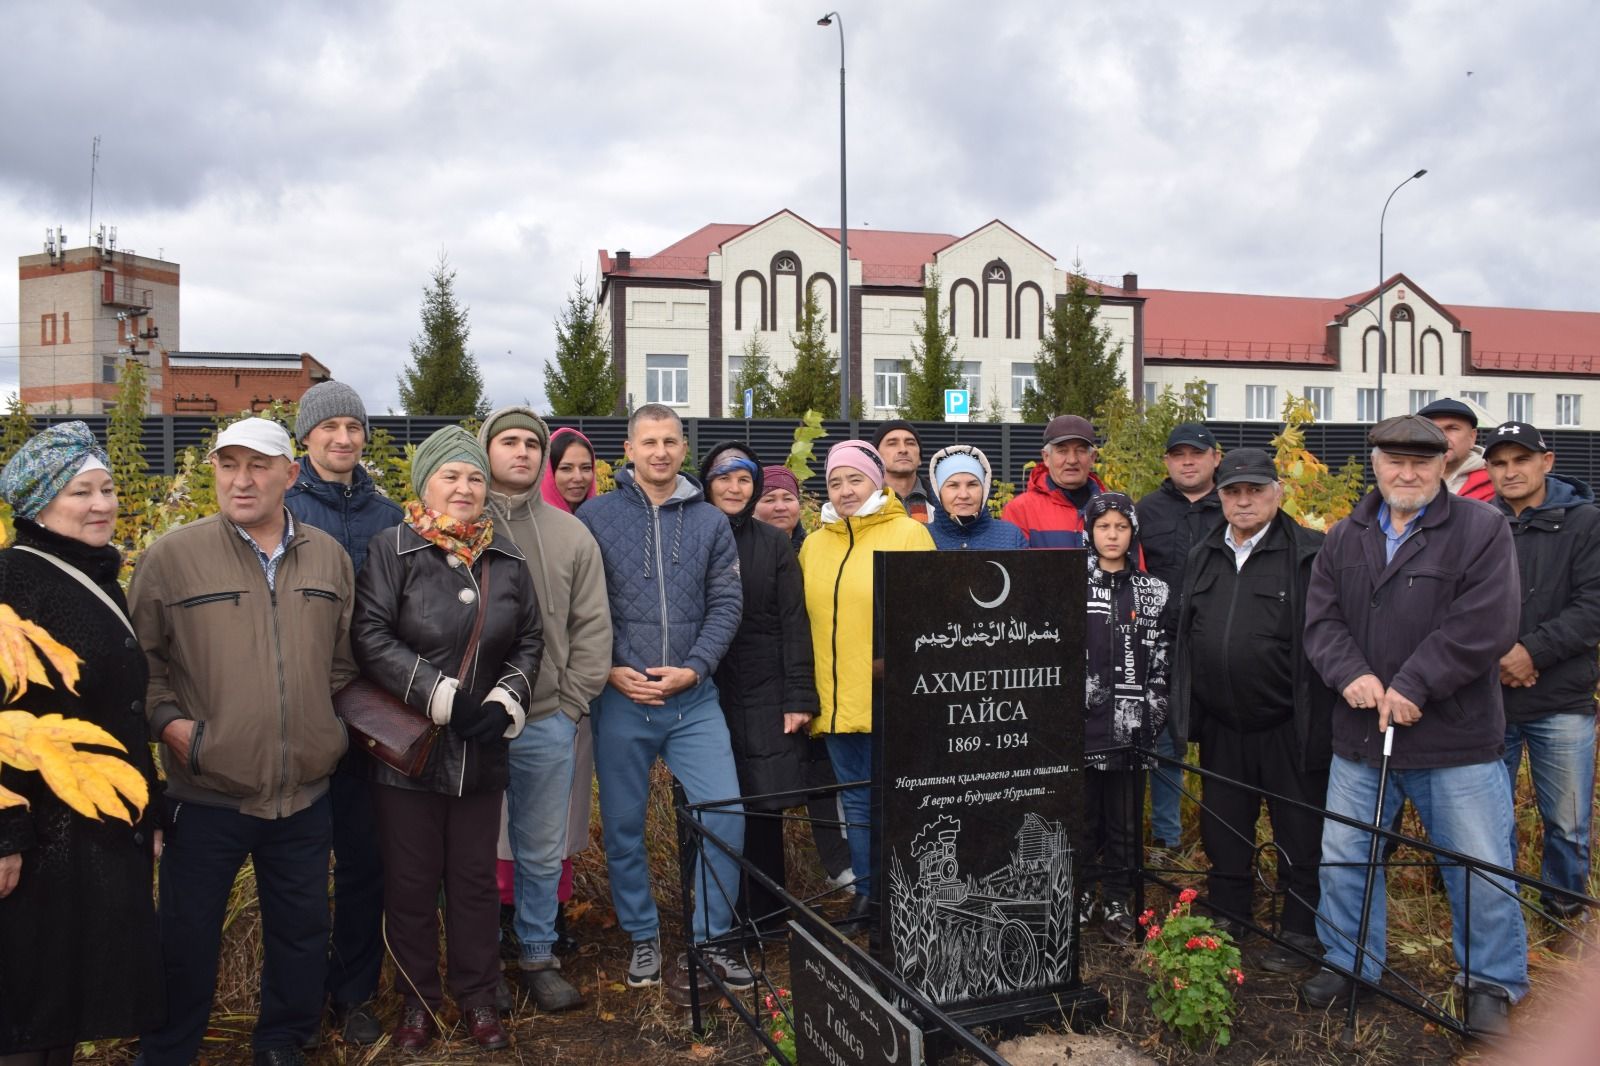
(548, 636)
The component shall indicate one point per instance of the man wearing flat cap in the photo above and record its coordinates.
(1050, 510)
(244, 617)
(1464, 471)
(1406, 618)
(1243, 688)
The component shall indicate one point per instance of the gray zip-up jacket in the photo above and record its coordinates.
(672, 576)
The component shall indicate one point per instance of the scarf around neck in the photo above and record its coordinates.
(465, 540)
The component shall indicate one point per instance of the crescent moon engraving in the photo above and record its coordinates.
(894, 1047)
(1005, 589)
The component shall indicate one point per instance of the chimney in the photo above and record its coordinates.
(624, 261)
(1130, 283)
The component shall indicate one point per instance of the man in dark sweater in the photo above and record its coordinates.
(1249, 697)
(1406, 618)
(1549, 675)
(1174, 518)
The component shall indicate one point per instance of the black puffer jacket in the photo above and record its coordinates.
(410, 627)
(768, 669)
(1558, 563)
(1170, 526)
(80, 958)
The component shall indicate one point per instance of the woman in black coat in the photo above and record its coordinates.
(765, 680)
(417, 602)
(79, 953)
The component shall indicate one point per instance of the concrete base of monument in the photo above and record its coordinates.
(1080, 1049)
(1083, 1009)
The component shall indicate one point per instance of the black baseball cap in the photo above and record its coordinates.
(1449, 408)
(1516, 433)
(1069, 427)
(1193, 434)
(1408, 435)
(1246, 464)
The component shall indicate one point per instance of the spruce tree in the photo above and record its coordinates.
(130, 471)
(812, 383)
(16, 428)
(755, 373)
(933, 367)
(583, 379)
(443, 377)
(1077, 368)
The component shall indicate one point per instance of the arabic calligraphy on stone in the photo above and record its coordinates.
(987, 634)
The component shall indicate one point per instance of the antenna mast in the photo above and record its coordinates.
(94, 165)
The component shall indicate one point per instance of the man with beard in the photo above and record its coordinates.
(1406, 618)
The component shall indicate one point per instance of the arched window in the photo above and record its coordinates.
(996, 274)
(970, 308)
(785, 265)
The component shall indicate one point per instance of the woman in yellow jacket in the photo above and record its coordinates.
(861, 517)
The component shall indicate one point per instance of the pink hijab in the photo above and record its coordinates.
(547, 487)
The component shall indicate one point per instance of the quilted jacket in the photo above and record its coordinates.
(351, 514)
(672, 575)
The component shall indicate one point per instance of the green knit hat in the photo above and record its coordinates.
(452, 444)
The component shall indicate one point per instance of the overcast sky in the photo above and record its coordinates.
(306, 163)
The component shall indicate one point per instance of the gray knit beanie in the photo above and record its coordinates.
(329, 399)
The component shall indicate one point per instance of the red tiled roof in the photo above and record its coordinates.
(1508, 338)
(1237, 328)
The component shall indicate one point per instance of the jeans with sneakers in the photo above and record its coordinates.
(691, 735)
(1463, 808)
(542, 758)
(1166, 791)
(851, 754)
(1561, 762)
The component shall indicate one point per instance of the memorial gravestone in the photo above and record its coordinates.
(978, 808)
(839, 1019)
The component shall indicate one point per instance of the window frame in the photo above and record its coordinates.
(654, 376)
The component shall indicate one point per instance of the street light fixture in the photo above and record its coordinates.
(1383, 326)
(844, 237)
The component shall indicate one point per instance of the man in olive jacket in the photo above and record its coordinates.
(244, 617)
(1407, 618)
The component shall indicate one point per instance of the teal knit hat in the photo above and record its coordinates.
(452, 444)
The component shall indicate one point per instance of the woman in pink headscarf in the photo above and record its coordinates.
(569, 475)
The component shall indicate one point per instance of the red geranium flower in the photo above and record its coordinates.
(1188, 895)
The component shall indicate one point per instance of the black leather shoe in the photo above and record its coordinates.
(1326, 988)
(861, 914)
(278, 1056)
(1285, 959)
(1488, 1011)
(357, 1023)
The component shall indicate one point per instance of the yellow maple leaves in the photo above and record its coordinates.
(90, 782)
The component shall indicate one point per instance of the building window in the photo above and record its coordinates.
(971, 373)
(1261, 402)
(1421, 398)
(1519, 407)
(1151, 394)
(735, 396)
(1211, 400)
(108, 369)
(1479, 398)
(1023, 378)
(666, 379)
(1320, 397)
(888, 383)
(1568, 409)
(1366, 405)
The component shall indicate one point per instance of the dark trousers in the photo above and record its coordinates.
(205, 848)
(1111, 801)
(355, 951)
(832, 846)
(430, 840)
(763, 848)
(1269, 760)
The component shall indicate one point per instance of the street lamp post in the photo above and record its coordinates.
(844, 237)
(1383, 326)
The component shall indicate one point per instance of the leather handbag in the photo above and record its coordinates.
(388, 728)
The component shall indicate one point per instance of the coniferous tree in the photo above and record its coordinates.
(933, 367)
(16, 428)
(1077, 368)
(582, 380)
(130, 471)
(443, 377)
(812, 383)
(755, 374)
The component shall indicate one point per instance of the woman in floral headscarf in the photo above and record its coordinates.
(417, 603)
(79, 953)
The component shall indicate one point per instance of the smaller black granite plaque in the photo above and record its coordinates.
(839, 1019)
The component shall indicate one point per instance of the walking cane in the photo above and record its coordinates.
(1347, 1039)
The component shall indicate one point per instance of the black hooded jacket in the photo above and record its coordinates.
(768, 669)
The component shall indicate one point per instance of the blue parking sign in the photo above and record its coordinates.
(957, 405)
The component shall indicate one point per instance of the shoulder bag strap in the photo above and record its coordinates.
(83, 579)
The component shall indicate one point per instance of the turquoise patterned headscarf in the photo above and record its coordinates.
(44, 465)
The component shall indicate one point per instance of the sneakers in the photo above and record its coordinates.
(1088, 908)
(735, 974)
(644, 969)
(1117, 925)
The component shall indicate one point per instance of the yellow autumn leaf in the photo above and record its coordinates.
(20, 663)
(90, 782)
(9, 798)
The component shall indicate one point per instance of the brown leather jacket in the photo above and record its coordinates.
(256, 668)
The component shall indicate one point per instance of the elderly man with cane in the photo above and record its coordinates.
(1407, 617)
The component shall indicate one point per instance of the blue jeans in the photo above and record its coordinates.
(1463, 808)
(851, 755)
(1561, 762)
(690, 733)
(536, 796)
(1166, 791)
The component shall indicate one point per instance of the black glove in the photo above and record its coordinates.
(485, 721)
(465, 709)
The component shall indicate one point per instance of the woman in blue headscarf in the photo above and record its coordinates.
(961, 478)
